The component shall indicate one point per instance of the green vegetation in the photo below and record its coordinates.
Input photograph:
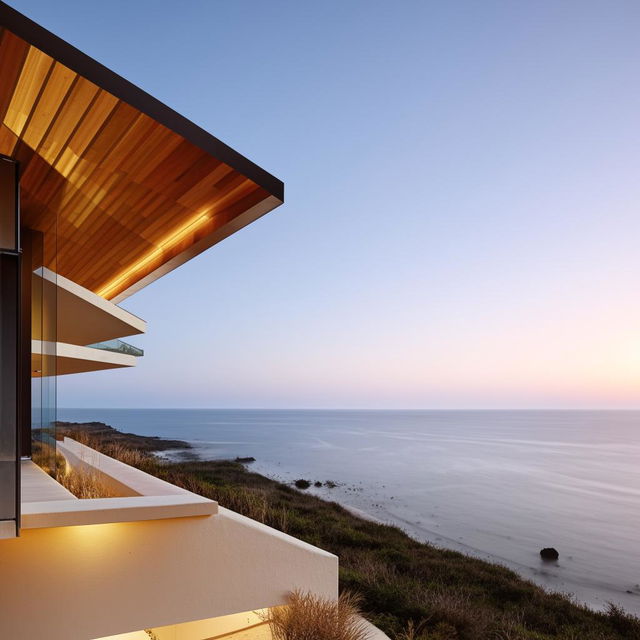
(411, 590)
(103, 433)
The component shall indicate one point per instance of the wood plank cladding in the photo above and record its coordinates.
(120, 195)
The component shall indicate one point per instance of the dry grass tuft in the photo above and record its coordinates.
(413, 631)
(118, 451)
(83, 484)
(309, 617)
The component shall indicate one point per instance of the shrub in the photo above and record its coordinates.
(309, 617)
(625, 624)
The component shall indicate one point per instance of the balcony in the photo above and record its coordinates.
(73, 358)
(82, 316)
(160, 556)
(85, 335)
(46, 503)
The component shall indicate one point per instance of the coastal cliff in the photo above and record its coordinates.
(411, 590)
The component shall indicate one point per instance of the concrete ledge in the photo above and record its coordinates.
(38, 486)
(73, 358)
(84, 317)
(123, 479)
(141, 496)
(68, 513)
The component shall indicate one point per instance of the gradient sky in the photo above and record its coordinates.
(462, 223)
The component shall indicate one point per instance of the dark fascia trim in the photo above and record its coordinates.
(126, 91)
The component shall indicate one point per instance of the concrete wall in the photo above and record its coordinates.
(84, 582)
(120, 478)
(87, 460)
(214, 627)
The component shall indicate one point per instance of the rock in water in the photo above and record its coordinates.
(549, 553)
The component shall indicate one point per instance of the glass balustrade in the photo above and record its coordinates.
(118, 346)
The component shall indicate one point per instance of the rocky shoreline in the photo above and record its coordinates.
(402, 581)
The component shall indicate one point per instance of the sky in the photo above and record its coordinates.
(461, 224)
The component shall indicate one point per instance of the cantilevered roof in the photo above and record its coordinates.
(132, 188)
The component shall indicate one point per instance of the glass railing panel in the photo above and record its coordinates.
(8, 387)
(9, 348)
(118, 346)
(44, 329)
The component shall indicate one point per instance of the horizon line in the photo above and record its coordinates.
(346, 409)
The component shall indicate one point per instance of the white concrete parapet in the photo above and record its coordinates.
(141, 495)
(123, 479)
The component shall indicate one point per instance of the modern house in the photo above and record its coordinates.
(103, 190)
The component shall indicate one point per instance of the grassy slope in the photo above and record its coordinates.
(445, 594)
(103, 433)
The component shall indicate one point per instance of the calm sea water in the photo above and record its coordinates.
(499, 485)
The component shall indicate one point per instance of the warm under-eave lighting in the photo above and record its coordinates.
(195, 223)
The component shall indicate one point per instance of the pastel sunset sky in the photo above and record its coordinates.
(461, 226)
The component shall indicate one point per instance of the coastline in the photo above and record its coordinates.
(568, 576)
(377, 559)
(595, 595)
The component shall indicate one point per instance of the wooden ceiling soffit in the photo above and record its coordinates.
(128, 188)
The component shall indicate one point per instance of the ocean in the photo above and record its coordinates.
(499, 485)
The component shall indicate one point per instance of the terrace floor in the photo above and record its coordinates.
(38, 486)
(140, 496)
(260, 632)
